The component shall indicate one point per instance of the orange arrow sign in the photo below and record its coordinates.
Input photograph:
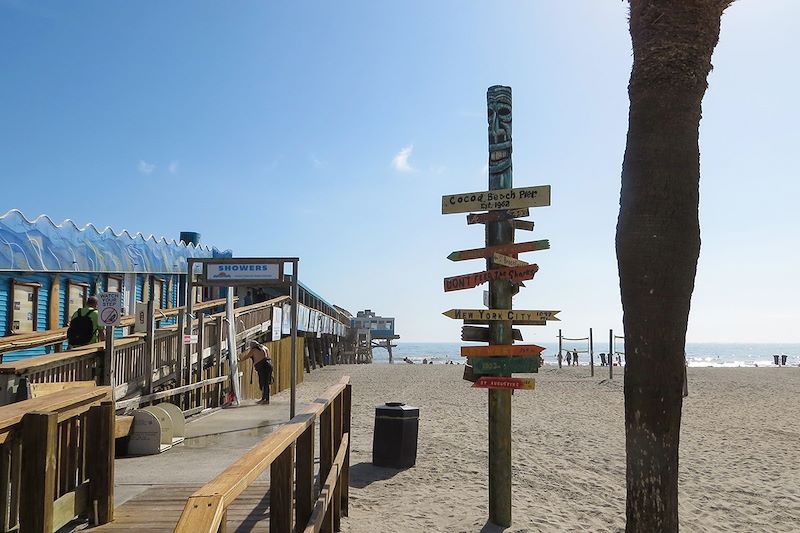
(468, 281)
(502, 350)
(507, 249)
(489, 382)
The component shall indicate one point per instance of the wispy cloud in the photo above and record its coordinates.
(173, 167)
(145, 168)
(400, 161)
(317, 162)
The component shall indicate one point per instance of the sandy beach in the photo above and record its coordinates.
(739, 467)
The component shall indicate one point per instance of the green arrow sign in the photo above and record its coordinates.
(498, 366)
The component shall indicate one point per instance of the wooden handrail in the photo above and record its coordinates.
(205, 509)
(65, 401)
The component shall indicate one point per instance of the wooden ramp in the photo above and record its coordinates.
(158, 508)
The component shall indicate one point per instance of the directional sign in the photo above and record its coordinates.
(498, 366)
(502, 350)
(525, 225)
(486, 382)
(496, 216)
(515, 315)
(479, 334)
(504, 260)
(497, 199)
(468, 281)
(509, 249)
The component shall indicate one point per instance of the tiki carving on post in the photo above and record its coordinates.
(498, 100)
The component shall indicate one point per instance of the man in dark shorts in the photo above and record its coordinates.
(263, 365)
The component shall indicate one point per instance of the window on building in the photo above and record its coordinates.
(25, 297)
(114, 284)
(76, 298)
(158, 293)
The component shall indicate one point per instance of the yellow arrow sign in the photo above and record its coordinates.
(501, 314)
(497, 199)
(504, 260)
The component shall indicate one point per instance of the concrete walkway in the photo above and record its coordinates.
(213, 442)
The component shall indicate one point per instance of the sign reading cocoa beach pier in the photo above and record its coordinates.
(497, 199)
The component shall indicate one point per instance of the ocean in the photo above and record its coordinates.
(722, 355)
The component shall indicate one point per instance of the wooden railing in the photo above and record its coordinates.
(291, 480)
(57, 460)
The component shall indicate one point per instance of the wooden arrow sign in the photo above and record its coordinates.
(496, 216)
(525, 225)
(508, 249)
(499, 366)
(468, 281)
(479, 334)
(504, 260)
(486, 382)
(515, 315)
(502, 350)
(515, 322)
(497, 199)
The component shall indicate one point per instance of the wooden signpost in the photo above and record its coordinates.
(485, 382)
(515, 315)
(501, 366)
(502, 350)
(509, 249)
(469, 281)
(491, 366)
(496, 199)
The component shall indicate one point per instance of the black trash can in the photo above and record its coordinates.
(394, 441)
(783, 359)
(777, 359)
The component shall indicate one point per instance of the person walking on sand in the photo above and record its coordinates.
(263, 365)
(560, 358)
(575, 357)
(602, 359)
(569, 358)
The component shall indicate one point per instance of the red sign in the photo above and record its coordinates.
(502, 350)
(468, 281)
(507, 249)
(491, 382)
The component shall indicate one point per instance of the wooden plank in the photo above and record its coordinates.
(508, 249)
(347, 402)
(497, 199)
(525, 225)
(515, 315)
(481, 334)
(321, 512)
(486, 382)
(326, 455)
(71, 505)
(504, 260)
(122, 426)
(201, 513)
(42, 389)
(468, 281)
(38, 489)
(280, 492)
(496, 216)
(499, 366)
(504, 350)
(304, 482)
(469, 322)
(100, 433)
(58, 402)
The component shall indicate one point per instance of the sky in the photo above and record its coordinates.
(330, 131)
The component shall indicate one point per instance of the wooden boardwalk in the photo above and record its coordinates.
(158, 508)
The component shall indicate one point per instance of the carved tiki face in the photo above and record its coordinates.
(498, 101)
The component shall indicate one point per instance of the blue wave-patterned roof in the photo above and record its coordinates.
(40, 245)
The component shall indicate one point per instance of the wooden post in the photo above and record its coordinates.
(337, 441)
(611, 354)
(500, 295)
(347, 402)
(304, 483)
(38, 480)
(179, 357)
(149, 346)
(109, 368)
(293, 359)
(100, 434)
(591, 352)
(560, 344)
(326, 454)
(201, 327)
(280, 492)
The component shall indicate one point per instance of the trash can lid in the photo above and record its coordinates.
(398, 409)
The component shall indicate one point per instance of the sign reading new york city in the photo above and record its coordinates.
(515, 315)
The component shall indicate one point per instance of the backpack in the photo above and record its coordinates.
(81, 329)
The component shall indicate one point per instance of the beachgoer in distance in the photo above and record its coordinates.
(263, 365)
(602, 359)
(575, 357)
(560, 358)
(425, 361)
(569, 358)
(83, 328)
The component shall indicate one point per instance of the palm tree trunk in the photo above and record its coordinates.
(658, 240)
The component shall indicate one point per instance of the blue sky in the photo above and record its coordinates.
(330, 130)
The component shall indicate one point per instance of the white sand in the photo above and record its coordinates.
(739, 471)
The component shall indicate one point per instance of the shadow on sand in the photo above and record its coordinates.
(488, 527)
(364, 474)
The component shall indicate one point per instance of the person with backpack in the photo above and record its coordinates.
(263, 365)
(83, 328)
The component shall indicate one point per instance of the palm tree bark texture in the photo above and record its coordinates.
(658, 240)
